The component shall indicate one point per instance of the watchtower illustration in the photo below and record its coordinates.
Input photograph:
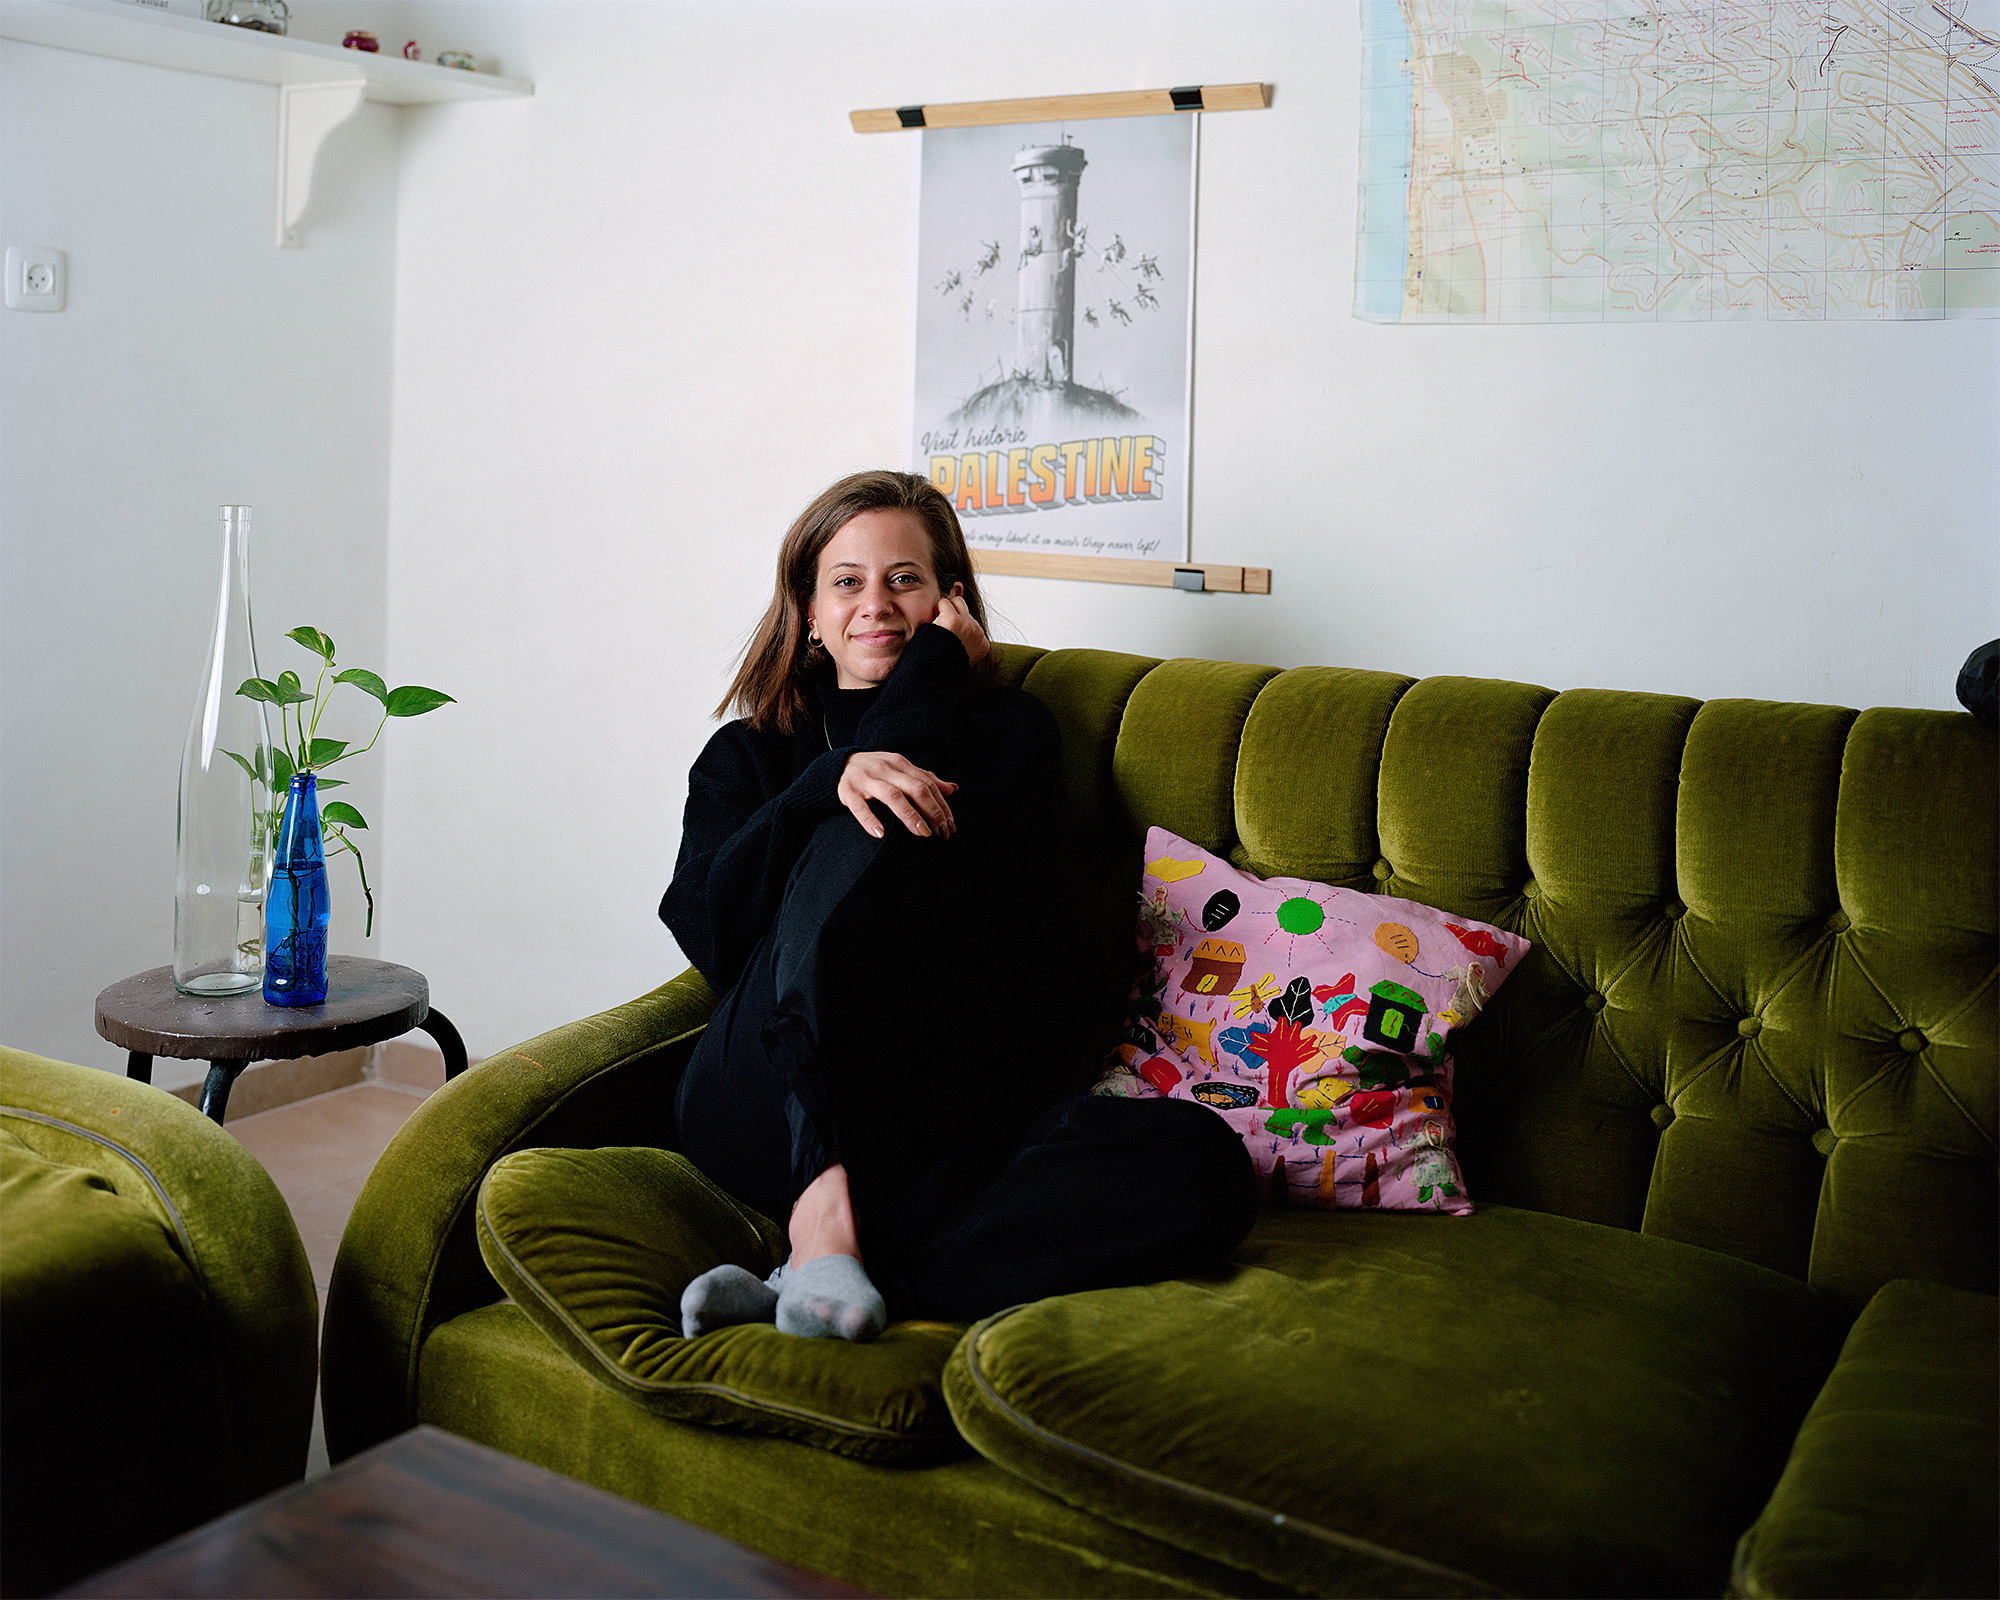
(1045, 327)
(1038, 389)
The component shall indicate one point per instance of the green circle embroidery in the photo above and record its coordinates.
(1300, 916)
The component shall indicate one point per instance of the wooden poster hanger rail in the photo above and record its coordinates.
(1066, 107)
(1202, 577)
(1197, 576)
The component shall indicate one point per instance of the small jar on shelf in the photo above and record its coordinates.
(265, 16)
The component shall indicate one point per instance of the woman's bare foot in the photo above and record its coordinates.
(823, 1220)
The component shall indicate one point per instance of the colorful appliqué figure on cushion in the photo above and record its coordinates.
(1468, 997)
(1432, 1166)
(1160, 925)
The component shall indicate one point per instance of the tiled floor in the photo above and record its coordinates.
(319, 1152)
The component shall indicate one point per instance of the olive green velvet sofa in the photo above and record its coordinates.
(158, 1323)
(1722, 1320)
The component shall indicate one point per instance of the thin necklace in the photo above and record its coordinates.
(825, 731)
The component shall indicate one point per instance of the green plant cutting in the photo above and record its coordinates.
(301, 749)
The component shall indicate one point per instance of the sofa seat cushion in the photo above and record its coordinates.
(595, 1246)
(1396, 1403)
(958, 1527)
(1915, 1385)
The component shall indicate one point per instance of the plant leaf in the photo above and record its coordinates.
(281, 768)
(289, 691)
(260, 689)
(245, 765)
(324, 751)
(343, 813)
(328, 783)
(365, 680)
(314, 641)
(413, 700)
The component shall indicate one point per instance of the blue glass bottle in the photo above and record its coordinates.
(297, 908)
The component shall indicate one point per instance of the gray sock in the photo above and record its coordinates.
(830, 1297)
(726, 1295)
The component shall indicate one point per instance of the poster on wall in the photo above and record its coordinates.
(1055, 295)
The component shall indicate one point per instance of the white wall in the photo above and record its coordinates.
(195, 364)
(642, 318)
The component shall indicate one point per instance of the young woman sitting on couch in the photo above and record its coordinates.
(869, 876)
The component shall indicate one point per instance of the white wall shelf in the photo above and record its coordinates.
(319, 85)
(133, 33)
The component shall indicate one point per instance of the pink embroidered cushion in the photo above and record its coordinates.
(1312, 1019)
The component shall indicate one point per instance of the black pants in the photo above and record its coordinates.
(901, 1018)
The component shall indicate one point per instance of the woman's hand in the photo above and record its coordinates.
(955, 617)
(920, 798)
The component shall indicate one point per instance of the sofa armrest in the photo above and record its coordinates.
(231, 1226)
(409, 1258)
(1891, 1488)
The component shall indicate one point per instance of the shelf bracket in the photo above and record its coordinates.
(307, 113)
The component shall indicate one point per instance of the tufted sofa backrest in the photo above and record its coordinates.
(1760, 1014)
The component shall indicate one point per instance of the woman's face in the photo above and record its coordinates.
(875, 589)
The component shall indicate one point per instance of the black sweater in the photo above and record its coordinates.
(754, 798)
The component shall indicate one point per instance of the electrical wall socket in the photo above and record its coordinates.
(37, 278)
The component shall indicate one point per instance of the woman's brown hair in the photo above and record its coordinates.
(769, 690)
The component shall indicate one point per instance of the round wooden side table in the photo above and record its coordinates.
(366, 1002)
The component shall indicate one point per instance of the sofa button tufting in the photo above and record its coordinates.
(1824, 1139)
(1383, 872)
(1839, 922)
(1911, 1040)
(1673, 911)
(1662, 1115)
(1531, 890)
(1750, 1027)
(1593, 1002)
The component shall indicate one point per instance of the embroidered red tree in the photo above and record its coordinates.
(1286, 1046)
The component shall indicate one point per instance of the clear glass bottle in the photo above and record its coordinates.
(222, 855)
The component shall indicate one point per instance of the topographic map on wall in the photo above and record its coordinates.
(1653, 160)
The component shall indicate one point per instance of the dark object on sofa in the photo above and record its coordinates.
(1979, 683)
(1723, 1315)
(158, 1325)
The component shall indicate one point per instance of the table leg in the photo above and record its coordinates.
(222, 1076)
(439, 1027)
(138, 1066)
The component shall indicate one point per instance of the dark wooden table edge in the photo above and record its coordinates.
(255, 1542)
